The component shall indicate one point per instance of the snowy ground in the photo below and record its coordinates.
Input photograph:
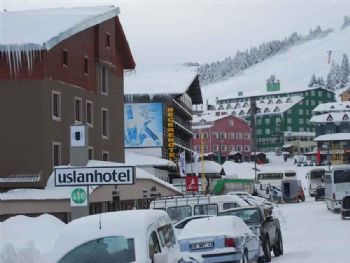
(312, 234)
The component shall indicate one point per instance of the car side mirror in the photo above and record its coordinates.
(160, 258)
(269, 218)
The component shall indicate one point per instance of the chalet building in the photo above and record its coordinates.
(158, 112)
(226, 136)
(332, 126)
(279, 115)
(59, 67)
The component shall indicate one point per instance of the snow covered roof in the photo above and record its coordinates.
(239, 170)
(173, 80)
(210, 167)
(266, 106)
(42, 29)
(331, 117)
(332, 107)
(139, 159)
(333, 137)
(52, 192)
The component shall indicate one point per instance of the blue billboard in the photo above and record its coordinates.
(143, 125)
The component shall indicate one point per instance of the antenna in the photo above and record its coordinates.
(99, 217)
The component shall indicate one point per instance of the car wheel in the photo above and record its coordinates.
(267, 249)
(278, 249)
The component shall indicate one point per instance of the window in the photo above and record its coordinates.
(267, 121)
(231, 148)
(246, 136)
(301, 121)
(313, 93)
(207, 209)
(179, 212)
(91, 153)
(307, 112)
(320, 93)
(86, 65)
(226, 206)
(312, 103)
(307, 102)
(267, 131)
(231, 135)
(89, 113)
(56, 105)
(105, 156)
(104, 80)
(105, 124)
(215, 148)
(246, 148)
(77, 109)
(222, 135)
(289, 111)
(301, 112)
(215, 135)
(64, 57)
(56, 153)
(239, 136)
(153, 245)
(289, 120)
(205, 135)
(301, 129)
(166, 235)
(258, 131)
(230, 123)
(205, 148)
(108, 39)
(239, 148)
(223, 148)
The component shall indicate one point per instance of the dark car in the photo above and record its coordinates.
(319, 193)
(264, 225)
(345, 208)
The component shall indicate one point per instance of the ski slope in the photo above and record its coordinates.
(292, 67)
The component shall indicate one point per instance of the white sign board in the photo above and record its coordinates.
(77, 136)
(85, 176)
(79, 197)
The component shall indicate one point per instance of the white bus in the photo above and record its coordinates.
(315, 178)
(269, 182)
(180, 207)
(337, 185)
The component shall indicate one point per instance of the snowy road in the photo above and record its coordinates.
(312, 234)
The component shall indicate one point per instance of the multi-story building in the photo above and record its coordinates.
(158, 112)
(332, 126)
(278, 113)
(66, 70)
(224, 135)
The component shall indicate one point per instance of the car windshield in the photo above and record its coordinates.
(116, 249)
(249, 216)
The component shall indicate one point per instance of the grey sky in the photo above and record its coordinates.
(176, 31)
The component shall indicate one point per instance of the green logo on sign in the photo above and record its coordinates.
(79, 196)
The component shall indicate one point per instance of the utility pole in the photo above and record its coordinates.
(253, 110)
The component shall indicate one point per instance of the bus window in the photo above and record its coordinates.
(316, 174)
(179, 212)
(209, 209)
(341, 176)
(327, 178)
(290, 174)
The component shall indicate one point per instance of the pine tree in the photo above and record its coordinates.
(345, 70)
(320, 82)
(313, 81)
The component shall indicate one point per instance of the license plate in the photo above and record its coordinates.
(201, 245)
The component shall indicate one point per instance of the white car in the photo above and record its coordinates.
(125, 236)
(220, 239)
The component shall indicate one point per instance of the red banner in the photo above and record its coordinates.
(191, 183)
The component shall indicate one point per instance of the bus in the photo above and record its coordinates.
(337, 185)
(269, 182)
(315, 178)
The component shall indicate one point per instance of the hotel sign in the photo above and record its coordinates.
(85, 176)
(170, 130)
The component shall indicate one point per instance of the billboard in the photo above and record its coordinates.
(143, 125)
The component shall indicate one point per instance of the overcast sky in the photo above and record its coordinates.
(176, 31)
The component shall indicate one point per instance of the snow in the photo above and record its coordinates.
(215, 226)
(239, 170)
(52, 192)
(332, 107)
(334, 117)
(333, 137)
(159, 80)
(286, 66)
(210, 167)
(27, 239)
(138, 159)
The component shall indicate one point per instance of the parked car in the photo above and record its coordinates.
(345, 208)
(117, 237)
(263, 225)
(319, 193)
(220, 239)
(178, 226)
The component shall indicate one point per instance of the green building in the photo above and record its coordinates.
(282, 119)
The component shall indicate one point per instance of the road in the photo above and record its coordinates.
(312, 234)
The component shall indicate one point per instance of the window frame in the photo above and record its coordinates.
(108, 40)
(59, 106)
(86, 65)
(64, 57)
(80, 110)
(106, 135)
(104, 79)
(103, 154)
(91, 112)
(53, 145)
(92, 150)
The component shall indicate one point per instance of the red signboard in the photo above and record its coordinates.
(191, 183)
